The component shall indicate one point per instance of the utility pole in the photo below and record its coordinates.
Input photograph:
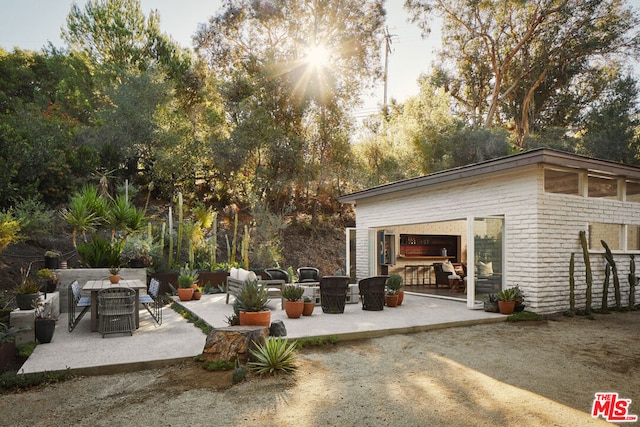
(388, 40)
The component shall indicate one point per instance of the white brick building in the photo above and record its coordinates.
(520, 215)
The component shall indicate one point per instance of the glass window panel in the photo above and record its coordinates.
(562, 182)
(603, 187)
(633, 237)
(610, 233)
(633, 191)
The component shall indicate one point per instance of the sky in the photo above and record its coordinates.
(32, 24)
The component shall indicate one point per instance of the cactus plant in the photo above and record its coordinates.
(572, 283)
(616, 281)
(605, 289)
(587, 263)
(633, 282)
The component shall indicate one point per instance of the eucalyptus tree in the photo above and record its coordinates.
(514, 62)
(290, 71)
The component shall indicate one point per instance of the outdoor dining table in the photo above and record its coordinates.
(96, 285)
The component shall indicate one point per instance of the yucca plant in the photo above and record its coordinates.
(277, 354)
(292, 293)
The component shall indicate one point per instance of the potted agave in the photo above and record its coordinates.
(251, 305)
(308, 306)
(394, 283)
(114, 274)
(507, 300)
(293, 306)
(187, 283)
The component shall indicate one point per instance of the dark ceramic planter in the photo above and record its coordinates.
(25, 301)
(44, 329)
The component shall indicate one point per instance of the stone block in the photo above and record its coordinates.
(233, 343)
(24, 319)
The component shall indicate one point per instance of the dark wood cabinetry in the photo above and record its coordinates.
(430, 246)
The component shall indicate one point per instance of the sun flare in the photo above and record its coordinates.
(318, 56)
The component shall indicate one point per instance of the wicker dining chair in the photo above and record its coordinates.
(152, 301)
(333, 293)
(372, 292)
(116, 310)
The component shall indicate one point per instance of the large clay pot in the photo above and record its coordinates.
(185, 294)
(255, 318)
(293, 309)
(308, 308)
(44, 329)
(506, 307)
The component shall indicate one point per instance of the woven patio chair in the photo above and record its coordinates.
(152, 301)
(308, 274)
(333, 293)
(278, 274)
(76, 302)
(116, 310)
(372, 292)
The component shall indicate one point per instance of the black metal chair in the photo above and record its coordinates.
(278, 274)
(372, 292)
(76, 302)
(116, 310)
(333, 293)
(308, 274)
(152, 301)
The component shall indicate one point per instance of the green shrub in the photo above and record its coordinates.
(9, 229)
(12, 381)
(524, 315)
(316, 341)
(239, 374)
(277, 354)
(35, 220)
(218, 365)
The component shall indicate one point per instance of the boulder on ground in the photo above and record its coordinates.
(233, 343)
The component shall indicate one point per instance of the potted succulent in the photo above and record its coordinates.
(52, 259)
(197, 293)
(394, 282)
(114, 274)
(391, 298)
(27, 291)
(45, 325)
(49, 279)
(507, 300)
(185, 291)
(251, 304)
(309, 305)
(491, 303)
(293, 305)
(519, 299)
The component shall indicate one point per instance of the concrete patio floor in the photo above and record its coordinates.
(85, 352)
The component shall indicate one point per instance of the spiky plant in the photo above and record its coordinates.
(572, 283)
(275, 355)
(616, 281)
(587, 264)
(252, 297)
(633, 282)
(605, 289)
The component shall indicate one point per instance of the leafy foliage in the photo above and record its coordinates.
(9, 229)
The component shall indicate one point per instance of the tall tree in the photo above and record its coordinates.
(291, 70)
(512, 59)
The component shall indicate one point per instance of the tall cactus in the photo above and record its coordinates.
(616, 281)
(245, 247)
(587, 263)
(633, 282)
(235, 239)
(572, 283)
(605, 289)
(170, 264)
(214, 240)
(180, 224)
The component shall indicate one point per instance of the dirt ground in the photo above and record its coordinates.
(533, 373)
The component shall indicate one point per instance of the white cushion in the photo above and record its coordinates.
(251, 276)
(233, 273)
(448, 267)
(454, 277)
(485, 269)
(242, 274)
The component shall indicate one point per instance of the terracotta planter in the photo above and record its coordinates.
(255, 318)
(196, 295)
(308, 308)
(506, 307)
(185, 294)
(294, 309)
(114, 279)
(44, 329)
(391, 300)
(400, 297)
